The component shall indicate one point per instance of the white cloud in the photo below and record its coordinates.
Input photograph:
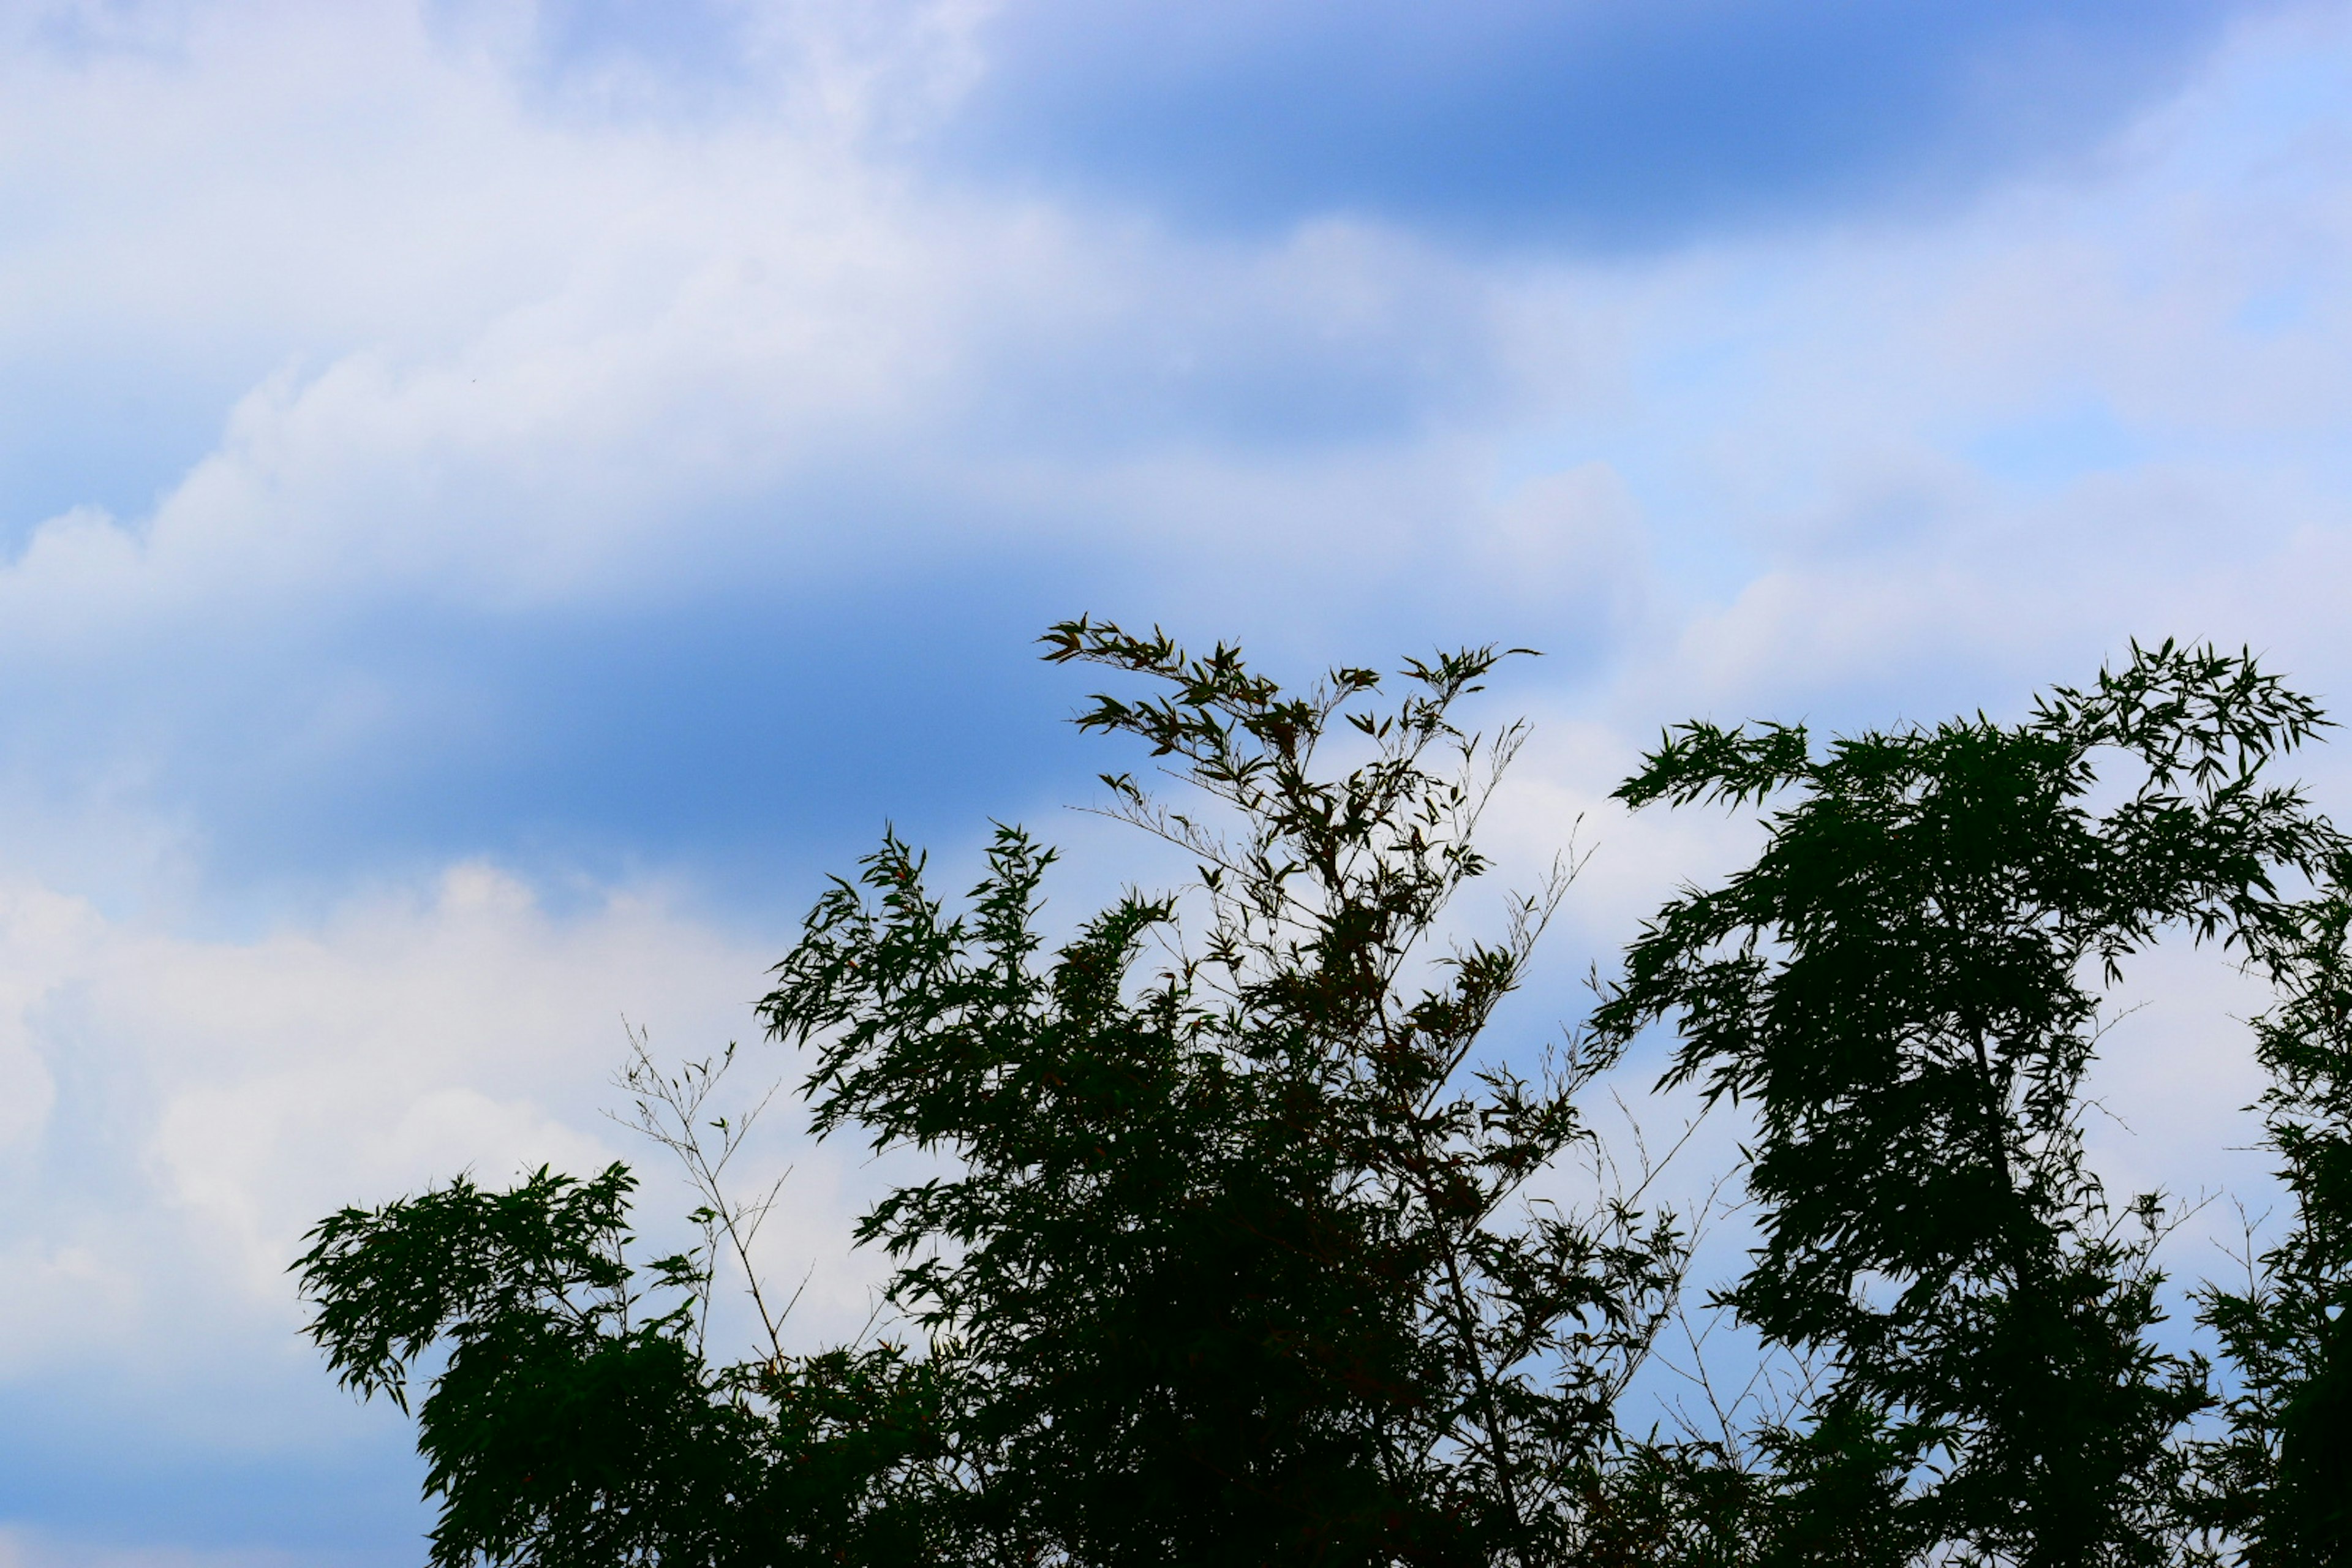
(503, 356)
(223, 1096)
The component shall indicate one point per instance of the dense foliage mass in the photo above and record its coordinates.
(1239, 1249)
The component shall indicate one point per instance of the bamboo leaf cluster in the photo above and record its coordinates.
(1245, 1243)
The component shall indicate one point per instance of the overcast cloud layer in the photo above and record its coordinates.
(496, 500)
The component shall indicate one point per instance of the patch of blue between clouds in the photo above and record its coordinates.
(748, 744)
(107, 430)
(1613, 124)
(2056, 447)
(84, 1477)
(2274, 313)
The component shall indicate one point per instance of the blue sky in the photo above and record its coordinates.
(1608, 123)
(496, 499)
